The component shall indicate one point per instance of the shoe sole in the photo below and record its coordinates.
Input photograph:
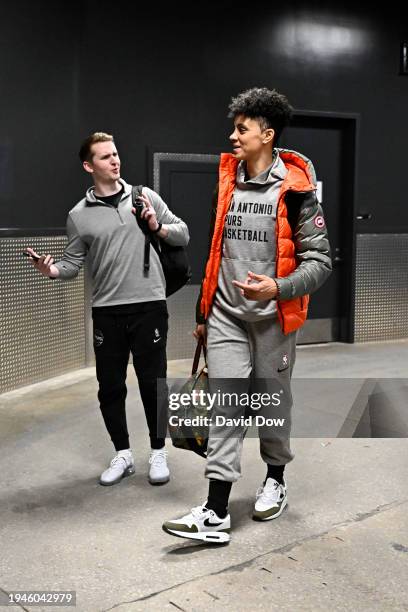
(128, 472)
(273, 516)
(156, 483)
(211, 537)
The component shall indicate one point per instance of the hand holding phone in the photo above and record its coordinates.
(35, 257)
(43, 263)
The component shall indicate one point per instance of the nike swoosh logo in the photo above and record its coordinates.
(157, 339)
(208, 524)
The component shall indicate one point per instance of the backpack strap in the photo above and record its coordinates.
(136, 193)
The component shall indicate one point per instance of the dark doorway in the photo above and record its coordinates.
(186, 181)
(330, 142)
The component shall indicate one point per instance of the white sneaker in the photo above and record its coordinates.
(271, 499)
(201, 524)
(159, 473)
(121, 465)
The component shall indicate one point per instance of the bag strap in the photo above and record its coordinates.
(200, 346)
(136, 193)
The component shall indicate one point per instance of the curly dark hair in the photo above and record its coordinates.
(269, 107)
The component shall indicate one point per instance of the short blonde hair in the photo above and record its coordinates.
(85, 153)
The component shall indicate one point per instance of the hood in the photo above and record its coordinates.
(300, 175)
(275, 171)
(301, 172)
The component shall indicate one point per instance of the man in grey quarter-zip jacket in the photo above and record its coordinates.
(128, 309)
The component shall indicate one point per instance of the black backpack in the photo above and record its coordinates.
(174, 260)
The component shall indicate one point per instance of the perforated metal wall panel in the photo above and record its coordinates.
(182, 309)
(42, 323)
(381, 306)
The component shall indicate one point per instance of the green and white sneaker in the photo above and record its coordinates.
(201, 524)
(271, 499)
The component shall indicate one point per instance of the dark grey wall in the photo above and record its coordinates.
(39, 113)
(162, 79)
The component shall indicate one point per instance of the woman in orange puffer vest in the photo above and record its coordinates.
(268, 251)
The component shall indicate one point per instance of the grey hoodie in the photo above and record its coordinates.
(249, 240)
(114, 244)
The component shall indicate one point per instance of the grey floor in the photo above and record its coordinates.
(342, 543)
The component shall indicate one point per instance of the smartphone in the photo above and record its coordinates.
(29, 255)
(139, 205)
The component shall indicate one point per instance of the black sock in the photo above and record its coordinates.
(218, 495)
(276, 472)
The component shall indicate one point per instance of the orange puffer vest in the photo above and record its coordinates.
(292, 313)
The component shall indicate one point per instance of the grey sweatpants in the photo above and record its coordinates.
(247, 351)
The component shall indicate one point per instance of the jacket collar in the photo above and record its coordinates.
(92, 199)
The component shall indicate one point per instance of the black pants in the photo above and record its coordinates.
(143, 331)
